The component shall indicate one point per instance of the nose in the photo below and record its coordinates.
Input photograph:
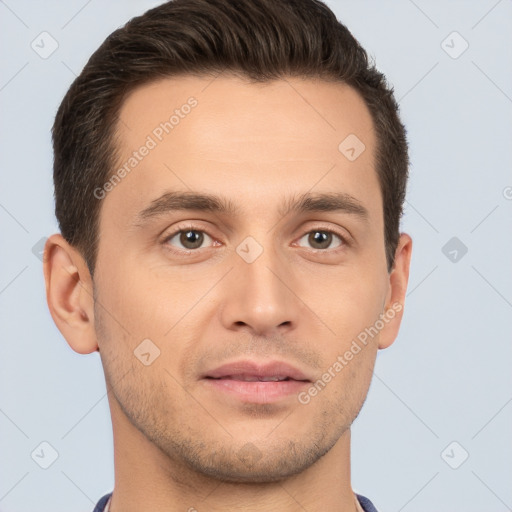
(259, 297)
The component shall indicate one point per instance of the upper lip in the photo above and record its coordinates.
(261, 370)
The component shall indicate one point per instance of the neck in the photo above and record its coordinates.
(146, 479)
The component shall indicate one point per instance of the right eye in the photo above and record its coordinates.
(187, 239)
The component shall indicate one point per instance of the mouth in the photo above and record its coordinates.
(254, 378)
(250, 382)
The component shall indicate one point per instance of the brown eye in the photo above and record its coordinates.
(321, 239)
(188, 238)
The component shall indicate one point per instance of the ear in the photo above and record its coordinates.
(69, 293)
(395, 300)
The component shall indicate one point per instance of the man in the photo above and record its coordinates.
(229, 181)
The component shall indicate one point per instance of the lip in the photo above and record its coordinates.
(227, 379)
(261, 370)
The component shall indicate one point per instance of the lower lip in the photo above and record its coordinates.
(257, 392)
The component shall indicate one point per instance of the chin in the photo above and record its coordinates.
(249, 464)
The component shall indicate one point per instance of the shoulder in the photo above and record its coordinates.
(100, 506)
(366, 504)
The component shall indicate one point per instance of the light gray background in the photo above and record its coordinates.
(447, 377)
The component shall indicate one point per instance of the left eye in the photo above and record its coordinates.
(319, 239)
(189, 239)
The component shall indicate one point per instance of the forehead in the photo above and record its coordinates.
(313, 112)
(251, 140)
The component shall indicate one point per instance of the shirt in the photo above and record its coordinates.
(364, 504)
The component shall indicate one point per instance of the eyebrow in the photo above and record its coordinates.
(307, 202)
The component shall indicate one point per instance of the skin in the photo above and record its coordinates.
(180, 444)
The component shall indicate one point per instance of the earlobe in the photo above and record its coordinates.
(69, 293)
(395, 300)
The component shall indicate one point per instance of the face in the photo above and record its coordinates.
(241, 246)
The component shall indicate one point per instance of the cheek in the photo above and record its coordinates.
(138, 373)
(348, 305)
(148, 302)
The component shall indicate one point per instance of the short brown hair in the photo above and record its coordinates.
(260, 40)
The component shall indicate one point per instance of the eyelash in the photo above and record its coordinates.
(191, 227)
